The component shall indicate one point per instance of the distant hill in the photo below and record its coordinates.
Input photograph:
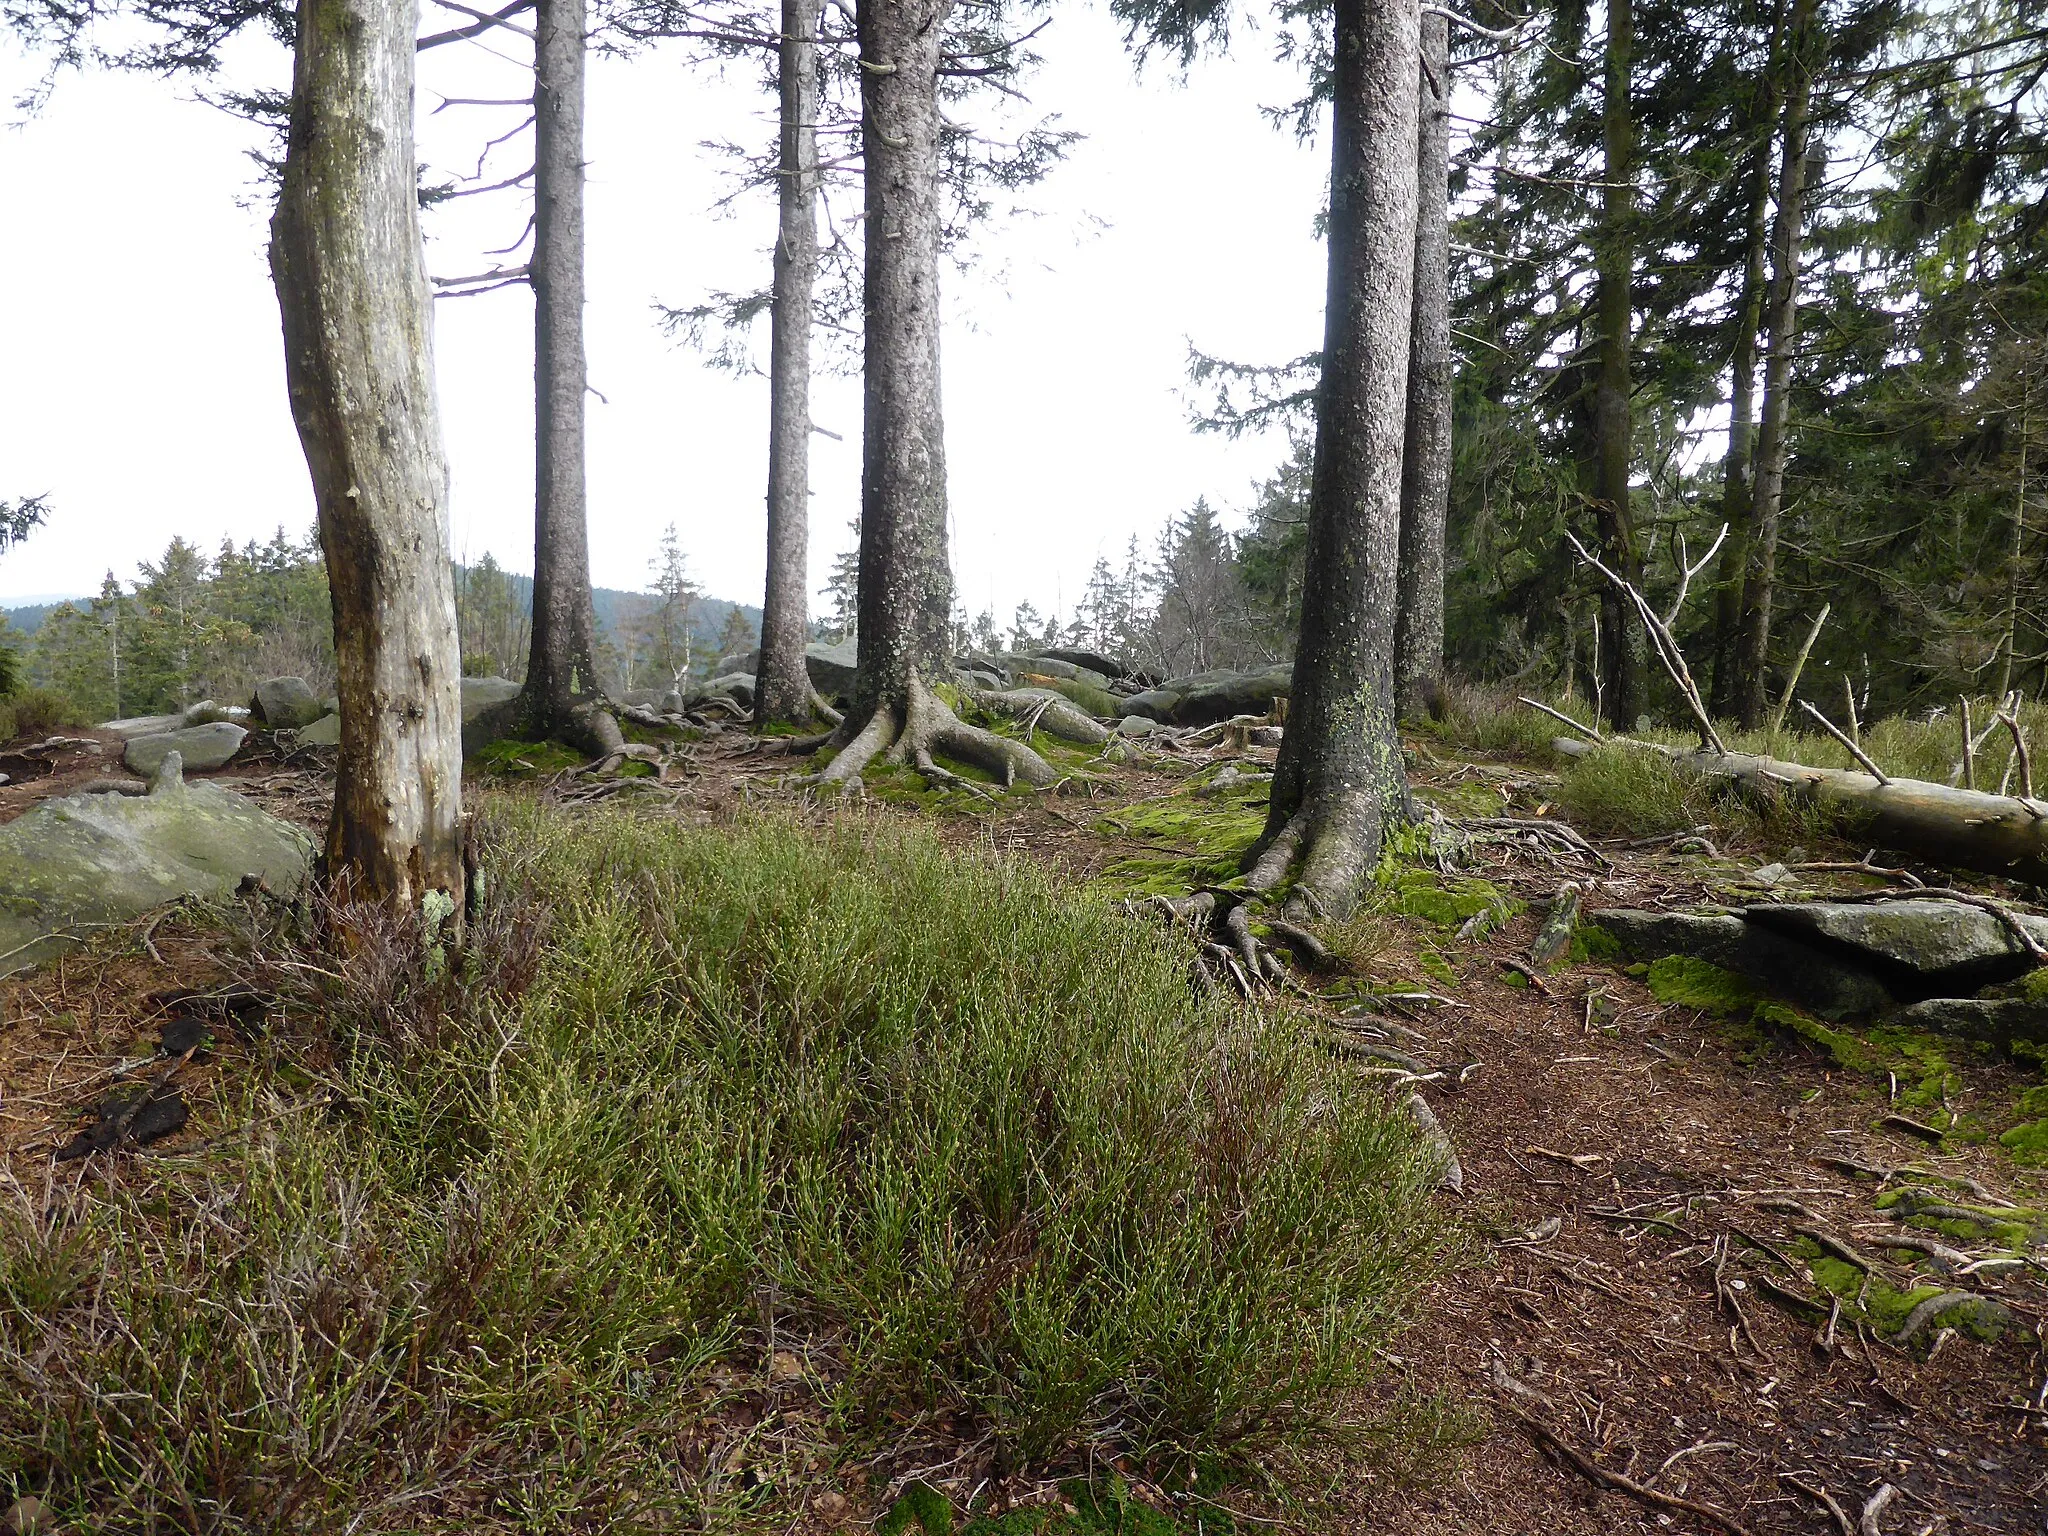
(28, 618)
(612, 606)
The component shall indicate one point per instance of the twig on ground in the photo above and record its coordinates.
(1819, 1494)
(1525, 973)
(1866, 1523)
(1602, 1477)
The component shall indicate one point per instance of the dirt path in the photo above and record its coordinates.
(1656, 1197)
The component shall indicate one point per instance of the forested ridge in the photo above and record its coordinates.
(1501, 985)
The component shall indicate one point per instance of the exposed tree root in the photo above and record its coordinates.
(924, 731)
(1323, 853)
(1046, 712)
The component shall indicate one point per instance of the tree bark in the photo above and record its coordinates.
(1767, 491)
(1735, 472)
(1338, 784)
(1426, 457)
(782, 689)
(358, 330)
(563, 693)
(1613, 419)
(904, 595)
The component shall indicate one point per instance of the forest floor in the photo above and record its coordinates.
(1659, 1190)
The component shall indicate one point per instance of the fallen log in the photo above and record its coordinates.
(1962, 828)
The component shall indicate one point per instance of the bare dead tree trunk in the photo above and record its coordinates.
(1735, 474)
(1426, 458)
(905, 592)
(1767, 492)
(563, 694)
(1338, 784)
(358, 330)
(1613, 418)
(782, 690)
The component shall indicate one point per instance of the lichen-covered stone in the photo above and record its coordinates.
(1995, 1020)
(480, 693)
(1925, 945)
(201, 747)
(70, 865)
(143, 725)
(324, 732)
(285, 703)
(1782, 965)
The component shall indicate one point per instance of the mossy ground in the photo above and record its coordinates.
(1923, 1072)
(1202, 838)
(527, 759)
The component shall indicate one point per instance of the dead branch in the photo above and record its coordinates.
(1826, 1500)
(1602, 1477)
(1561, 717)
(1667, 647)
(1848, 741)
(1798, 666)
(1866, 1523)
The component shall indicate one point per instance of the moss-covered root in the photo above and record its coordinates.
(1053, 716)
(1327, 848)
(926, 730)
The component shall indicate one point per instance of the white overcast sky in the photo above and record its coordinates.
(141, 378)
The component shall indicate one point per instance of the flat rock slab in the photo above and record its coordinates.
(1207, 697)
(1923, 946)
(1995, 1020)
(1777, 963)
(480, 693)
(200, 746)
(324, 732)
(831, 667)
(70, 865)
(143, 725)
(737, 686)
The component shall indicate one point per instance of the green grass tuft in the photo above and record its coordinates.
(962, 1136)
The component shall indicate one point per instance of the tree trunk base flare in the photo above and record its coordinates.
(1322, 852)
(923, 729)
(2004, 835)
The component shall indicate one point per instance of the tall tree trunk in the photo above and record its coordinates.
(1338, 784)
(1613, 419)
(782, 691)
(904, 595)
(1426, 457)
(563, 693)
(351, 281)
(1782, 329)
(905, 592)
(1735, 472)
(2009, 642)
